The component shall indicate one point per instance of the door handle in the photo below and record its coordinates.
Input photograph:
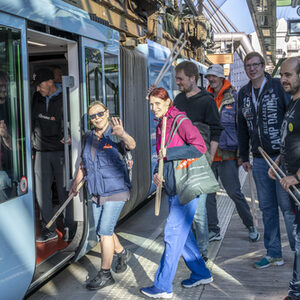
(67, 82)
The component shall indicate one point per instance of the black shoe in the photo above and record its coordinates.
(122, 260)
(205, 258)
(46, 236)
(100, 281)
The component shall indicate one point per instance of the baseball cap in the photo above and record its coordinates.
(216, 70)
(43, 74)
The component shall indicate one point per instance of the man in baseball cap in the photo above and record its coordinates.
(225, 161)
(216, 70)
(43, 80)
(48, 144)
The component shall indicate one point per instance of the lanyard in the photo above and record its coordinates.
(260, 91)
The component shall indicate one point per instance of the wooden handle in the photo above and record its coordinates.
(63, 206)
(168, 62)
(274, 166)
(160, 167)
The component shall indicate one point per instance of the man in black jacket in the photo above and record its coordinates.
(48, 144)
(262, 104)
(289, 157)
(201, 108)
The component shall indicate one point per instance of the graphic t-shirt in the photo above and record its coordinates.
(290, 138)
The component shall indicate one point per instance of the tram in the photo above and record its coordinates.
(95, 67)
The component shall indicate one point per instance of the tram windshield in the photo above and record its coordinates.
(13, 180)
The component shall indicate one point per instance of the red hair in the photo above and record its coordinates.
(161, 93)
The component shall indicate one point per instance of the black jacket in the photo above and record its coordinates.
(201, 108)
(262, 128)
(47, 125)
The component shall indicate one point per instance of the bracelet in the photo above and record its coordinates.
(297, 177)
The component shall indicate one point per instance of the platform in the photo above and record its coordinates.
(230, 261)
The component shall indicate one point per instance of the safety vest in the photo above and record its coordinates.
(107, 174)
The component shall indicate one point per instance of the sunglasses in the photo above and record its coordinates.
(100, 114)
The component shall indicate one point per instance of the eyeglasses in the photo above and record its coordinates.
(255, 65)
(100, 114)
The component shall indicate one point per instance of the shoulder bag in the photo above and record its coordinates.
(193, 176)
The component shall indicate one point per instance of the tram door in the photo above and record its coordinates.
(101, 82)
(54, 52)
(17, 241)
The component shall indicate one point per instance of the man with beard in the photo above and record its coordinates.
(262, 104)
(225, 163)
(202, 110)
(289, 157)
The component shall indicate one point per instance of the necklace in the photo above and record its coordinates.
(292, 108)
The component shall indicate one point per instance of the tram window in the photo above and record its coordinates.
(112, 83)
(13, 180)
(93, 64)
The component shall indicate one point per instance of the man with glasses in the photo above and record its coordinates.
(262, 104)
(48, 144)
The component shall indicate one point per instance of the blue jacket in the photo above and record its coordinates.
(228, 139)
(107, 174)
(262, 128)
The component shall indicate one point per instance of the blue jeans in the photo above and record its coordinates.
(199, 227)
(179, 240)
(270, 195)
(228, 172)
(106, 216)
(295, 283)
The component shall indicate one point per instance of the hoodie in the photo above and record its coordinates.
(201, 108)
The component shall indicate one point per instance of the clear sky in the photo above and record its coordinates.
(237, 11)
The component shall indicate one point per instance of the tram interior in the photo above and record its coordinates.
(48, 51)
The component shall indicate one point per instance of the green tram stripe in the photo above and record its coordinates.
(21, 108)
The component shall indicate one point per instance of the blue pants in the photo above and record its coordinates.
(200, 227)
(179, 240)
(270, 195)
(228, 172)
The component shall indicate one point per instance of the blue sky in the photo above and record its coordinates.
(237, 11)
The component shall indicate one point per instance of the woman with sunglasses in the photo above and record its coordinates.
(108, 185)
(178, 236)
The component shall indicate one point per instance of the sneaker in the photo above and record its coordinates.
(254, 235)
(122, 260)
(46, 236)
(267, 261)
(291, 297)
(214, 236)
(154, 292)
(100, 281)
(189, 283)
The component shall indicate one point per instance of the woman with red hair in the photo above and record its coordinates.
(178, 236)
